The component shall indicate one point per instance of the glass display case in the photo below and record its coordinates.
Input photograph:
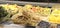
(41, 24)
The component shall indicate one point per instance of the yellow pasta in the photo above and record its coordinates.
(55, 17)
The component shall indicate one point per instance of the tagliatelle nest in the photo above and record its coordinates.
(19, 19)
(26, 18)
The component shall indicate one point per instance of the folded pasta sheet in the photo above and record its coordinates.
(55, 16)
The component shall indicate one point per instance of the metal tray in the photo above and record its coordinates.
(33, 3)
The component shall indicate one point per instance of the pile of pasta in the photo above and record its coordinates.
(29, 14)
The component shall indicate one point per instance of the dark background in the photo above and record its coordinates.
(52, 1)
